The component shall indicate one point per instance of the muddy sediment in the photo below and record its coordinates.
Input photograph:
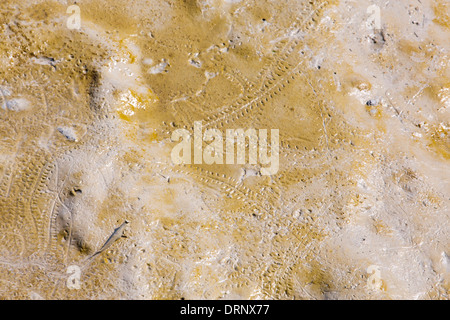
(358, 208)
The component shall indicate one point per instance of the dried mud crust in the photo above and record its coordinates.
(82, 149)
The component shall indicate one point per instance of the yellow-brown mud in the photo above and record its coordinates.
(86, 120)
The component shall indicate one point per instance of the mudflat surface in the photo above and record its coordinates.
(358, 208)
